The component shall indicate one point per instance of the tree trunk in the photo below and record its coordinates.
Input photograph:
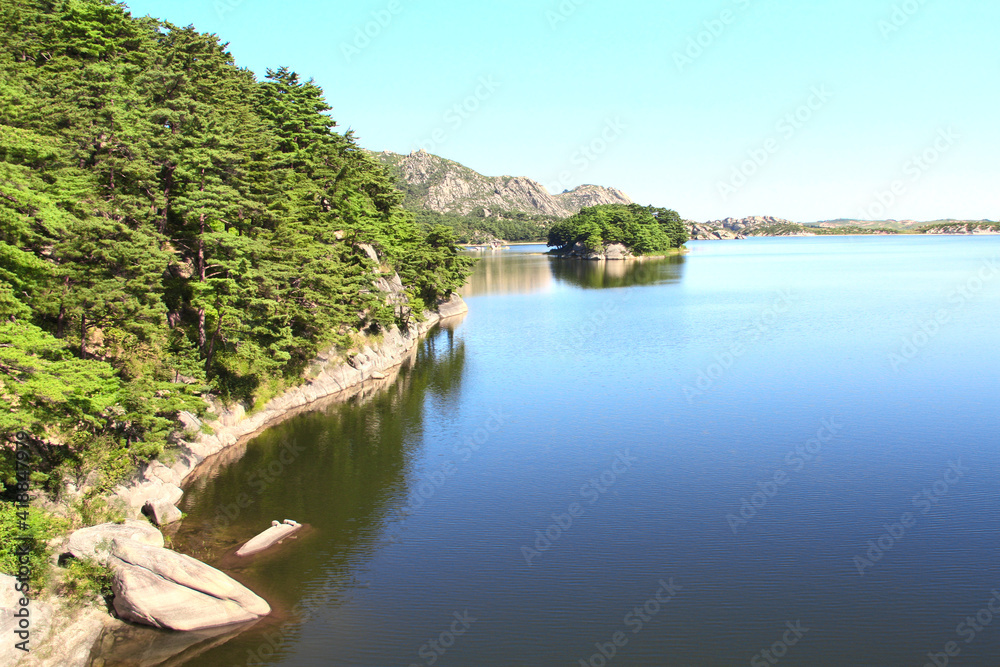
(211, 345)
(83, 336)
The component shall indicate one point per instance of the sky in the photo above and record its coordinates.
(800, 109)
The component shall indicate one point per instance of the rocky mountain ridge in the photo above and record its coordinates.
(437, 184)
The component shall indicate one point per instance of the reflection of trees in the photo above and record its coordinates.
(342, 469)
(600, 274)
(508, 273)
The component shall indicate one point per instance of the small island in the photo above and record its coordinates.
(618, 232)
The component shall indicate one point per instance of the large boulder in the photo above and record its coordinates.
(165, 589)
(276, 533)
(161, 512)
(95, 542)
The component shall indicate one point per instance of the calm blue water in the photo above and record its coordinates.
(726, 431)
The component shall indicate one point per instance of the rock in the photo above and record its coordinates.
(40, 615)
(162, 512)
(378, 375)
(276, 533)
(191, 423)
(453, 307)
(617, 251)
(95, 542)
(370, 251)
(164, 589)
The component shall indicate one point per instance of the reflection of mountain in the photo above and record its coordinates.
(343, 470)
(597, 275)
(508, 273)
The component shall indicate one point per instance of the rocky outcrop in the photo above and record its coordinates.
(966, 228)
(273, 535)
(164, 589)
(706, 232)
(748, 224)
(614, 251)
(436, 184)
(161, 512)
(94, 543)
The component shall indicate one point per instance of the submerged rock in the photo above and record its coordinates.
(165, 589)
(276, 533)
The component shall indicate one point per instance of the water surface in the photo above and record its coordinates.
(594, 435)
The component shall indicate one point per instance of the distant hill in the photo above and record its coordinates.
(436, 184)
(736, 228)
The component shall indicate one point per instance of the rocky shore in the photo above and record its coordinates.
(62, 637)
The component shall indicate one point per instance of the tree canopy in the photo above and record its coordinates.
(170, 225)
(646, 230)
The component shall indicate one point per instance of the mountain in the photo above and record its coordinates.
(738, 228)
(433, 183)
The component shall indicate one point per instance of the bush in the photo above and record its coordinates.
(40, 527)
(84, 580)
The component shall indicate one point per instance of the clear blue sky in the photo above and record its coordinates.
(537, 81)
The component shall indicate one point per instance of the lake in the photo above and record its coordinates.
(765, 451)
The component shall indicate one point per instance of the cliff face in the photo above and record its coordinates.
(436, 184)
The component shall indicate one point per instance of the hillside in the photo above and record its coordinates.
(738, 228)
(436, 184)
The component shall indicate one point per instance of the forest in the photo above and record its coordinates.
(646, 230)
(171, 227)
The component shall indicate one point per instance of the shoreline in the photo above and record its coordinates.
(66, 636)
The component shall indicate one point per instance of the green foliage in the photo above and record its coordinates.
(646, 230)
(41, 527)
(967, 227)
(169, 226)
(476, 228)
(84, 581)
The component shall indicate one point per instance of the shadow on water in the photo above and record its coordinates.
(605, 274)
(343, 470)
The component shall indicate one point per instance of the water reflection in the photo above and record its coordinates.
(529, 270)
(508, 272)
(598, 275)
(343, 470)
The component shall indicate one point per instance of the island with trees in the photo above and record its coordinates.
(619, 231)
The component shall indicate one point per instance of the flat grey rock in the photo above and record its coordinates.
(164, 589)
